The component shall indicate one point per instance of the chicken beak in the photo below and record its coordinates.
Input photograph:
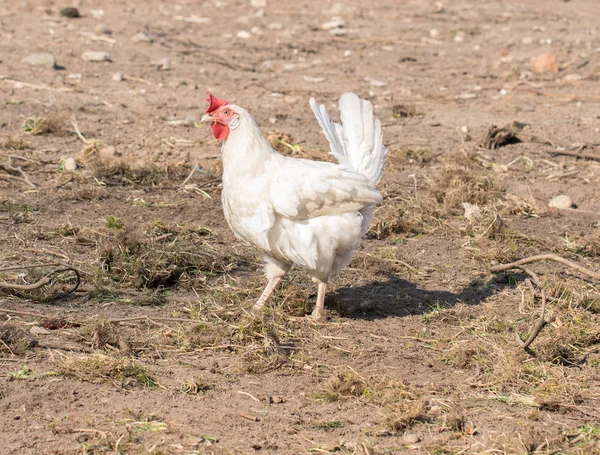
(207, 118)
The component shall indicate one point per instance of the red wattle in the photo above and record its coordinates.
(220, 131)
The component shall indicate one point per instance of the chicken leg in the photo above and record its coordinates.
(271, 285)
(319, 310)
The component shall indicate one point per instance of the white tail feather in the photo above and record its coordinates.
(357, 144)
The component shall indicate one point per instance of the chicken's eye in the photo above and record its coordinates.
(226, 112)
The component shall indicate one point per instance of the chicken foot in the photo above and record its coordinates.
(271, 285)
(319, 310)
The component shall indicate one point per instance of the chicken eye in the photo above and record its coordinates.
(226, 112)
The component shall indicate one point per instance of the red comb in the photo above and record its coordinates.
(214, 103)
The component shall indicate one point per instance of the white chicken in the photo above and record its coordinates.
(298, 212)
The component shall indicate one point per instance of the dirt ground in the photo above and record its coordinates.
(156, 352)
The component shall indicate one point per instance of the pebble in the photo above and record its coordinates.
(188, 121)
(37, 330)
(41, 59)
(142, 37)
(561, 201)
(332, 24)
(96, 56)
(243, 34)
(435, 409)
(258, 3)
(117, 77)
(70, 11)
(97, 13)
(410, 438)
(164, 64)
(338, 32)
(376, 83)
(434, 33)
(314, 79)
(70, 164)
(572, 78)
(108, 153)
(275, 26)
(74, 76)
(103, 29)
(544, 63)
(466, 96)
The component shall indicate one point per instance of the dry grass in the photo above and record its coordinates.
(49, 124)
(120, 371)
(461, 180)
(400, 405)
(159, 255)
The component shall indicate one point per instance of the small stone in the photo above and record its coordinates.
(97, 13)
(36, 330)
(41, 59)
(561, 201)
(347, 53)
(275, 26)
(314, 79)
(142, 37)
(117, 77)
(258, 3)
(464, 129)
(187, 121)
(75, 76)
(544, 63)
(243, 34)
(466, 96)
(376, 83)
(108, 153)
(572, 77)
(96, 56)
(289, 66)
(103, 29)
(434, 33)
(435, 409)
(332, 24)
(527, 40)
(70, 164)
(338, 32)
(70, 11)
(164, 64)
(410, 438)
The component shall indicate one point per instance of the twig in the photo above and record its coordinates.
(151, 320)
(577, 154)
(251, 396)
(35, 86)
(539, 325)
(544, 257)
(8, 167)
(44, 281)
(22, 313)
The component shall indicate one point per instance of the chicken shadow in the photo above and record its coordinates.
(395, 297)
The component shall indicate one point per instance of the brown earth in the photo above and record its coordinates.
(418, 354)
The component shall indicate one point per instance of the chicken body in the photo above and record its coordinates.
(298, 212)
